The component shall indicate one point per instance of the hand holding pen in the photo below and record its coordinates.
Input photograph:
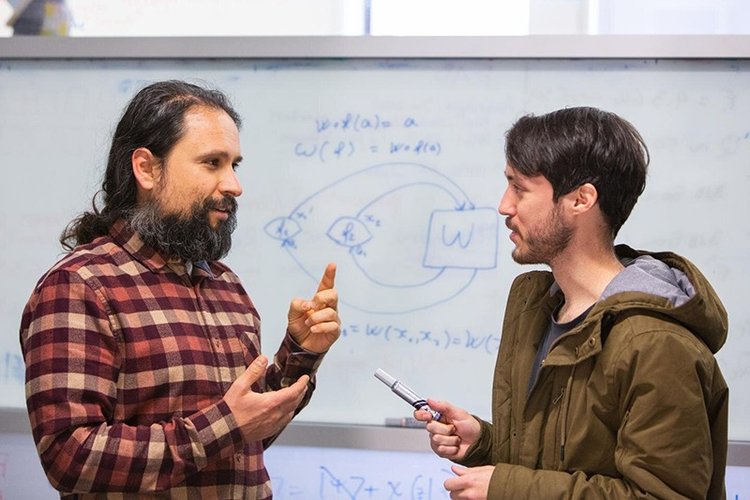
(452, 430)
(451, 437)
(454, 433)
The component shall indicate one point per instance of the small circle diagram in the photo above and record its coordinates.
(404, 236)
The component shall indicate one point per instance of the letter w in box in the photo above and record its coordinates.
(465, 239)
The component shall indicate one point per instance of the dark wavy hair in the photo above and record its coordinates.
(154, 119)
(573, 146)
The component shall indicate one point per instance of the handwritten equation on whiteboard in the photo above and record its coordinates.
(351, 134)
(306, 473)
(355, 487)
(444, 339)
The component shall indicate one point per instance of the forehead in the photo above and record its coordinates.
(536, 181)
(511, 172)
(207, 129)
(202, 116)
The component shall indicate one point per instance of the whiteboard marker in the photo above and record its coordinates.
(404, 422)
(405, 393)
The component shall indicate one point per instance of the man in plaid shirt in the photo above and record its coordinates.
(144, 376)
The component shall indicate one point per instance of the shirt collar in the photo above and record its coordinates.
(126, 237)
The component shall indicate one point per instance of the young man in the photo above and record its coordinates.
(606, 385)
(144, 372)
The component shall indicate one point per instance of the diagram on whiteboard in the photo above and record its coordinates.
(404, 236)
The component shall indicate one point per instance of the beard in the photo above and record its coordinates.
(187, 237)
(545, 242)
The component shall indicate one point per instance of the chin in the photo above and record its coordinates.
(524, 258)
(516, 258)
(216, 223)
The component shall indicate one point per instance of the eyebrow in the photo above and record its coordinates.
(513, 177)
(517, 176)
(223, 154)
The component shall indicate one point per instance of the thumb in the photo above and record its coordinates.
(445, 408)
(299, 308)
(255, 371)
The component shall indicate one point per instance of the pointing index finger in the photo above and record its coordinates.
(329, 276)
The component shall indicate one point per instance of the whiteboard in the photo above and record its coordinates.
(349, 474)
(302, 472)
(381, 166)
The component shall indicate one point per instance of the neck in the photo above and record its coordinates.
(583, 274)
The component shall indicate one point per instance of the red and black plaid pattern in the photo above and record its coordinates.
(127, 360)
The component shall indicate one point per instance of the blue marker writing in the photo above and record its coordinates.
(405, 393)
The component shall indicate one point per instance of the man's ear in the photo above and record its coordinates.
(146, 169)
(585, 197)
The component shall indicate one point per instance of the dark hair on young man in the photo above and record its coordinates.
(154, 119)
(573, 146)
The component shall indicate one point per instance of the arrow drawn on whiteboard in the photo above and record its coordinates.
(405, 237)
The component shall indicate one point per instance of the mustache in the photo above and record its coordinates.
(227, 204)
(510, 226)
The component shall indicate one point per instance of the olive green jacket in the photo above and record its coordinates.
(629, 404)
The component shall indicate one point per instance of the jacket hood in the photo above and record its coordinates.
(672, 286)
(649, 275)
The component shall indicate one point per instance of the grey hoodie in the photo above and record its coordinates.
(649, 275)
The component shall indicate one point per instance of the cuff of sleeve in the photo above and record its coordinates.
(480, 452)
(218, 430)
(298, 359)
(500, 482)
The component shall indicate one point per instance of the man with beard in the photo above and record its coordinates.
(606, 385)
(144, 372)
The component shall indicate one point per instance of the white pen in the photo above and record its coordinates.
(406, 394)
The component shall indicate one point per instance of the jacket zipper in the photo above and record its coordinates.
(558, 397)
(564, 410)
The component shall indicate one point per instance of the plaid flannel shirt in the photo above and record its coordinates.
(127, 361)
